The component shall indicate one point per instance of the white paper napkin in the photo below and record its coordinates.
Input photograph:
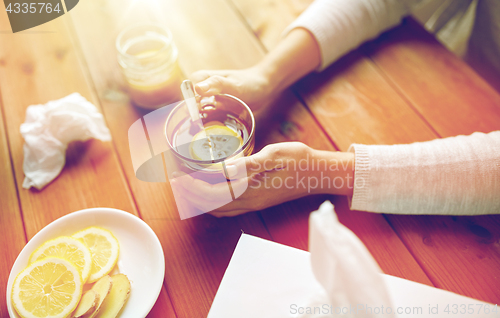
(344, 268)
(47, 131)
(268, 280)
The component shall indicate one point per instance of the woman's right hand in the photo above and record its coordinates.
(250, 85)
(295, 56)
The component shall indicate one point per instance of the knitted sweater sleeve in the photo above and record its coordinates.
(342, 25)
(457, 175)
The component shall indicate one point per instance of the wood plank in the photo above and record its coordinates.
(163, 306)
(454, 100)
(442, 88)
(197, 250)
(268, 18)
(92, 176)
(13, 237)
(378, 237)
(392, 57)
(458, 253)
(39, 67)
(349, 92)
(353, 103)
(484, 70)
(194, 269)
(298, 117)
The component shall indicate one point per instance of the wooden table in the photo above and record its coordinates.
(402, 87)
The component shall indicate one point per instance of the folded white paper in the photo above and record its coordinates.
(268, 280)
(47, 131)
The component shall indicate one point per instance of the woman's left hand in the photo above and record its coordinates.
(278, 173)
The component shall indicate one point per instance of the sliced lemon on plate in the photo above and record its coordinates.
(104, 248)
(49, 288)
(217, 141)
(67, 248)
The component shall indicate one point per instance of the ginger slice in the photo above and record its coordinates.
(118, 296)
(88, 304)
(102, 287)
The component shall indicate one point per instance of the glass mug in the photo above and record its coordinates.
(148, 59)
(222, 110)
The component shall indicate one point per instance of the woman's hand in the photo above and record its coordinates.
(250, 85)
(278, 173)
(295, 56)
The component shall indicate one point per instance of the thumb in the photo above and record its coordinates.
(251, 165)
(214, 85)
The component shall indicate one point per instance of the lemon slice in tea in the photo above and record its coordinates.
(217, 141)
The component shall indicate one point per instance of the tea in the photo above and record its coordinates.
(222, 135)
(186, 130)
(226, 133)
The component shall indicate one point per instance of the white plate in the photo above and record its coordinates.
(141, 255)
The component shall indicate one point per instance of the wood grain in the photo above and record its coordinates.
(458, 253)
(352, 102)
(293, 214)
(453, 100)
(410, 89)
(351, 99)
(39, 67)
(196, 259)
(13, 237)
(268, 18)
(355, 104)
(451, 97)
(76, 53)
(92, 176)
(197, 250)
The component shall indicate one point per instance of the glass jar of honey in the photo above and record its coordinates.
(148, 58)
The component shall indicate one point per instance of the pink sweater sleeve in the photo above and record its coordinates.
(456, 175)
(342, 25)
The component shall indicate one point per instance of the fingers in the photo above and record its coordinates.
(208, 196)
(198, 79)
(222, 214)
(190, 199)
(210, 192)
(265, 160)
(213, 83)
(199, 76)
(216, 84)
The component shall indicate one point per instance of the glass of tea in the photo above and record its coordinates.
(224, 132)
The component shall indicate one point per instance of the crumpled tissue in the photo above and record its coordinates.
(47, 131)
(344, 268)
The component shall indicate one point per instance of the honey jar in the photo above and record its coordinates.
(148, 58)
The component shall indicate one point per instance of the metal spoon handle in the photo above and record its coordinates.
(187, 90)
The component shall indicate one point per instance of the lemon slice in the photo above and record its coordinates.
(221, 143)
(69, 249)
(104, 248)
(49, 288)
